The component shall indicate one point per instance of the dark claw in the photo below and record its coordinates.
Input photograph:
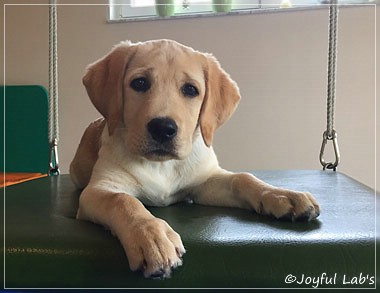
(317, 213)
(288, 217)
(305, 217)
(158, 274)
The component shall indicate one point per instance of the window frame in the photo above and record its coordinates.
(122, 10)
(122, 7)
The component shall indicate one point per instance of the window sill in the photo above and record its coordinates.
(232, 13)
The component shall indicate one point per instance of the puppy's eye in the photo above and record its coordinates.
(140, 84)
(189, 90)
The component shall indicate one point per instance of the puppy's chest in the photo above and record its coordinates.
(161, 186)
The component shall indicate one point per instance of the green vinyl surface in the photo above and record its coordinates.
(46, 247)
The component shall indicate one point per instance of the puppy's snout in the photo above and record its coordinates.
(162, 129)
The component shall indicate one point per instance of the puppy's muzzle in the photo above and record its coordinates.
(162, 130)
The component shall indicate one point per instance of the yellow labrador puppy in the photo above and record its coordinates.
(161, 102)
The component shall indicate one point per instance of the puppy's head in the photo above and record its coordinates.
(157, 94)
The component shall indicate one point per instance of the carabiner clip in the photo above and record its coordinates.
(329, 165)
(53, 158)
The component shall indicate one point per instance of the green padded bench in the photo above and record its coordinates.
(45, 247)
(26, 128)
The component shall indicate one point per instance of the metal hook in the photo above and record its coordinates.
(53, 158)
(326, 137)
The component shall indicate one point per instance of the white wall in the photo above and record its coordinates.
(278, 59)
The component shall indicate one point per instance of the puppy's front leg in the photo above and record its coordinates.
(243, 190)
(150, 243)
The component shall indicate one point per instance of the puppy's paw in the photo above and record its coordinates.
(292, 205)
(153, 247)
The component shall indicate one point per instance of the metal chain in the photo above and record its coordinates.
(53, 90)
(330, 133)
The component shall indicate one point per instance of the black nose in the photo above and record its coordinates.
(162, 129)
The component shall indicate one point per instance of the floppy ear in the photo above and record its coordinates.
(104, 83)
(220, 101)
